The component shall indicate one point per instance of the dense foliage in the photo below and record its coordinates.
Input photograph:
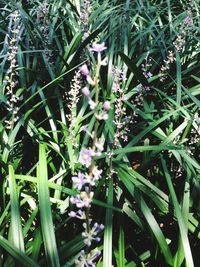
(99, 133)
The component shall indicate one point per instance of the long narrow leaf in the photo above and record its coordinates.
(16, 225)
(181, 222)
(16, 253)
(107, 246)
(45, 211)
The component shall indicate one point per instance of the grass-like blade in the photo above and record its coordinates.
(157, 231)
(121, 257)
(180, 219)
(107, 246)
(16, 225)
(133, 68)
(45, 211)
(17, 254)
(148, 216)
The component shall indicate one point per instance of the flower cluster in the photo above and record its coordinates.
(165, 67)
(88, 260)
(194, 138)
(84, 17)
(178, 44)
(85, 181)
(10, 81)
(101, 111)
(137, 102)
(43, 22)
(121, 120)
(181, 38)
(145, 67)
(141, 90)
(73, 98)
(177, 171)
(147, 74)
(43, 10)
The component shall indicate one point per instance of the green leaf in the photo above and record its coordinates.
(16, 253)
(148, 216)
(16, 225)
(45, 211)
(180, 219)
(121, 256)
(157, 231)
(137, 72)
(107, 242)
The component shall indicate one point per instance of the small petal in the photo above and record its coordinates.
(98, 48)
(85, 91)
(96, 173)
(79, 180)
(99, 144)
(104, 62)
(72, 214)
(90, 81)
(92, 104)
(84, 70)
(86, 157)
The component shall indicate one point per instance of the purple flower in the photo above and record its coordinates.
(87, 260)
(82, 200)
(92, 234)
(79, 180)
(188, 20)
(148, 74)
(92, 177)
(98, 48)
(85, 91)
(77, 201)
(86, 198)
(85, 157)
(106, 105)
(84, 70)
(79, 214)
(115, 87)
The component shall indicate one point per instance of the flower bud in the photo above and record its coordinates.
(84, 70)
(106, 105)
(85, 91)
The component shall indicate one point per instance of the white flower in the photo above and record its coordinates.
(92, 104)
